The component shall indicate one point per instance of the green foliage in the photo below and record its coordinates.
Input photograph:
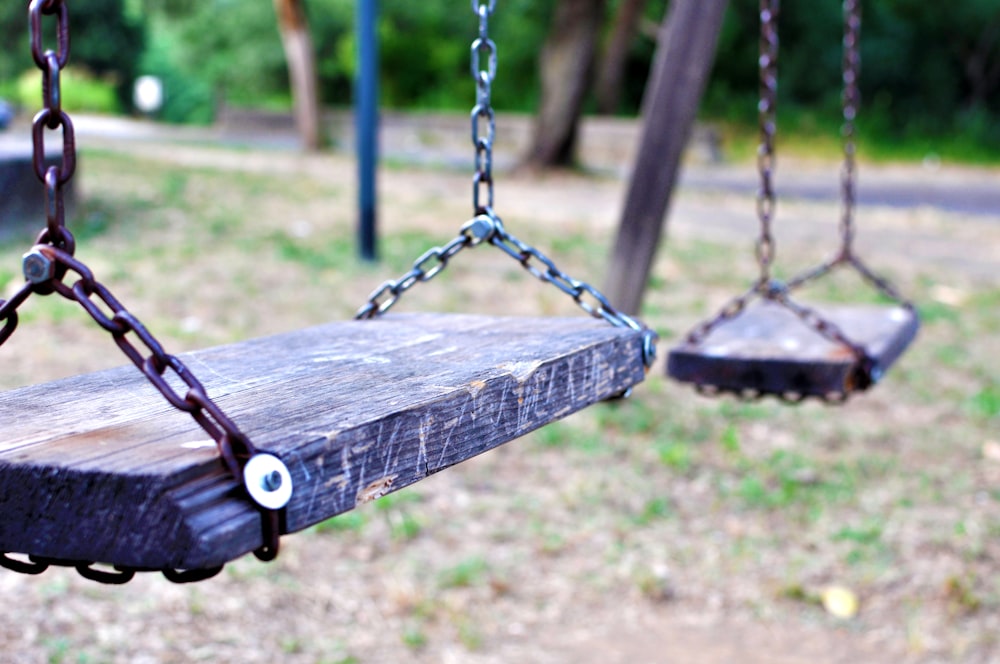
(187, 97)
(353, 521)
(986, 402)
(927, 68)
(929, 82)
(233, 48)
(106, 40)
(81, 91)
(789, 478)
(414, 637)
(464, 574)
(654, 510)
(231, 51)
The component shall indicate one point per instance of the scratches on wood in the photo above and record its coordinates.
(354, 409)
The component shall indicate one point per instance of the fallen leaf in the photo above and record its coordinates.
(840, 602)
(991, 450)
(948, 295)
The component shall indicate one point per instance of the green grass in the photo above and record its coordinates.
(986, 402)
(468, 572)
(353, 521)
(807, 134)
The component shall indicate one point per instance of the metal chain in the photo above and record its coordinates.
(48, 263)
(486, 226)
(429, 265)
(766, 287)
(764, 248)
(767, 118)
(483, 116)
(850, 99)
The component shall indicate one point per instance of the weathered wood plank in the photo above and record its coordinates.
(100, 467)
(769, 350)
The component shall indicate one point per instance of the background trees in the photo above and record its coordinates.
(108, 41)
(929, 68)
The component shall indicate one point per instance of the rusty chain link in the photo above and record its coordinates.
(51, 260)
(486, 226)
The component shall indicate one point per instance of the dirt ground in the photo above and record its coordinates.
(636, 549)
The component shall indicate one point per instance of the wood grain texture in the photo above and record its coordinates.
(768, 349)
(100, 467)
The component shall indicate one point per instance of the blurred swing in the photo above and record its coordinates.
(95, 468)
(777, 345)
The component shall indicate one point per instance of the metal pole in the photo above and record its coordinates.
(366, 125)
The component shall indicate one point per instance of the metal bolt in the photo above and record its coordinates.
(271, 482)
(649, 348)
(481, 228)
(774, 289)
(37, 267)
(268, 481)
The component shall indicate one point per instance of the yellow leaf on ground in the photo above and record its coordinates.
(840, 602)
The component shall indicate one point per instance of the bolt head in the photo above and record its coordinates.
(268, 481)
(481, 228)
(37, 267)
(271, 482)
(649, 348)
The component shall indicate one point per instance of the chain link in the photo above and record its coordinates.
(483, 116)
(51, 260)
(767, 118)
(851, 99)
(382, 298)
(486, 226)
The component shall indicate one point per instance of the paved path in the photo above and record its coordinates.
(944, 216)
(607, 146)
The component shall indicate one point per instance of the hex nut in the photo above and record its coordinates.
(37, 267)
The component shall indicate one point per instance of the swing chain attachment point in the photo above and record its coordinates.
(489, 228)
(866, 369)
(486, 226)
(263, 477)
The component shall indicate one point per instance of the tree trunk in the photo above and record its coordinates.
(982, 67)
(684, 58)
(301, 59)
(611, 70)
(566, 67)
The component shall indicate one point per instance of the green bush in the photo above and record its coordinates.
(81, 91)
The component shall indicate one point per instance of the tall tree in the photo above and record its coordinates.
(611, 69)
(301, 59)
(684, 57)
(567, 60)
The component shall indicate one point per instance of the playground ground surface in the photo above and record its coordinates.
(667, 528)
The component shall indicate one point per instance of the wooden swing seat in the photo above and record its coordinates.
(99, 467)
(768, 350)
